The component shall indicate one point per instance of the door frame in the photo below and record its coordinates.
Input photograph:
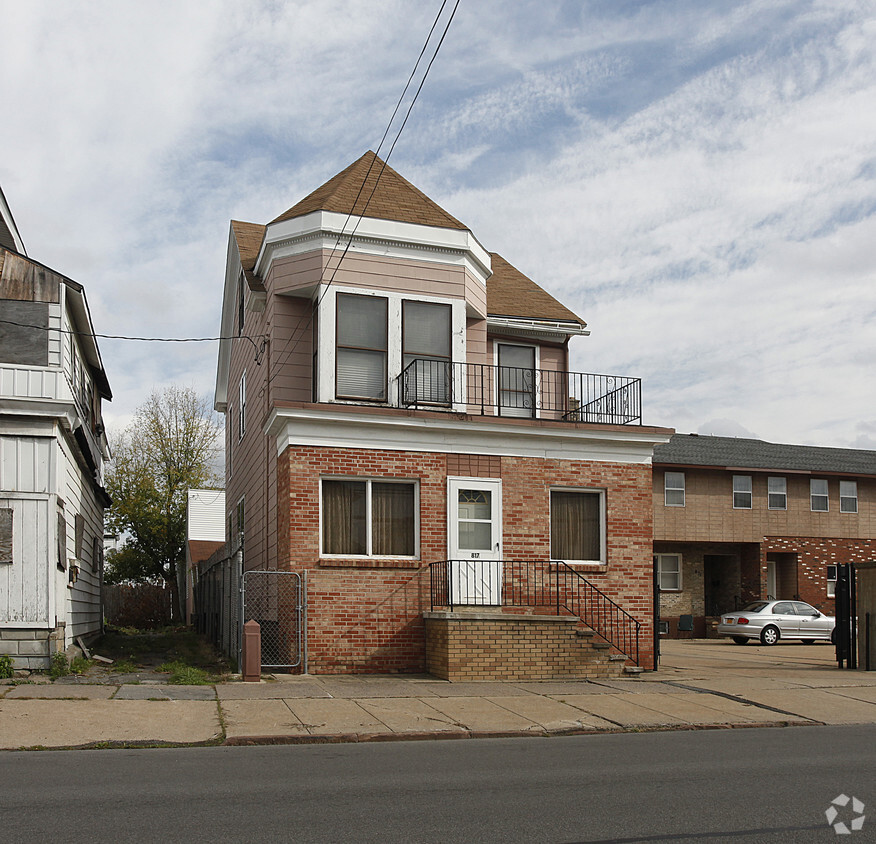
(475, 576)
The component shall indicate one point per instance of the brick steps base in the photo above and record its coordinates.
(502, 646)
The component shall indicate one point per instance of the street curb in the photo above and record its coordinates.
(361, 738)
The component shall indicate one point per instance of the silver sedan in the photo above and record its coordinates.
(770, 621)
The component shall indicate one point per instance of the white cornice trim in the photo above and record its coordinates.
(384, 238)
(343, 428)
(545, 329)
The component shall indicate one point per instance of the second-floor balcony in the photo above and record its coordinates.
(519, 392)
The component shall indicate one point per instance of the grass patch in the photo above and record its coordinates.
(151, 650)
(6, 669)
(182, 674)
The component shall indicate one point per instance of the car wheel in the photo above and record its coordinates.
(769, 635)
(740, 640)
(833, 636)
(808, 641)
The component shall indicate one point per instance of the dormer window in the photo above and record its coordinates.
(361, 347)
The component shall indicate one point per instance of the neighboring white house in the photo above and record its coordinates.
(205, 533)
(52, 450)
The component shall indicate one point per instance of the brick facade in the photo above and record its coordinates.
(365, 615)
(493, 646)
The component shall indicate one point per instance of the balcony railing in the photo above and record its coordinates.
(485, 389)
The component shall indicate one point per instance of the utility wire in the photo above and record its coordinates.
(287, 352)
(259, 349)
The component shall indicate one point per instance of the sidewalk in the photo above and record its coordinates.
(700, 684)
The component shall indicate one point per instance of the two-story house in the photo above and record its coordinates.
(737, 520)
(52, 448)
(402, 425)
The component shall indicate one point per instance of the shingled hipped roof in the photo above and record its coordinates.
(249, 237)
(730, 452)
(509, 292)
(394, 199)
(512, 294)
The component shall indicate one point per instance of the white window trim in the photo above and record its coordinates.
(831, 590)
(536, 387)
(415, 483)
(659, 558)
(667, 488)
(327, 339)
(603, 543)
(814, 495)
(783, 493)
(749, 492)
(241, 407)
(853, 498)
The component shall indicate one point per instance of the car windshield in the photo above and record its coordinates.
(757, 606)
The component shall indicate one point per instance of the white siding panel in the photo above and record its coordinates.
(82, 600)
(206, 514)
(26, 464)
(24, 585)
(22, 382)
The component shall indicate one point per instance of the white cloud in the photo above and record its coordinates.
(695, 179)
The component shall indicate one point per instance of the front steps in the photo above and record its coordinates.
(512, 646)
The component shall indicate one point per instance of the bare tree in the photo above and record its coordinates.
(169, 448)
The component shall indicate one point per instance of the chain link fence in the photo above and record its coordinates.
(276, 600)
(216, 611)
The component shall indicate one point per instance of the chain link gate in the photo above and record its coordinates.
(277, 601)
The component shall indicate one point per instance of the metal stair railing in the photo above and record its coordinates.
(605, 617)
(537, 583)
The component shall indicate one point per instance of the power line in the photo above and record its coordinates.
(259, 348)
(292, 336)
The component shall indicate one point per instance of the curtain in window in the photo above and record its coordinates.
(575, 526)
(392, 520)
(343, 517)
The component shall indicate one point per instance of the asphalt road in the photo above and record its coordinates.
(756, 785)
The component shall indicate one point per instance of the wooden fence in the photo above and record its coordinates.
(142, 605)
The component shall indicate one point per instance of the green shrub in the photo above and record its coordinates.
(60, 665)
(6, 669)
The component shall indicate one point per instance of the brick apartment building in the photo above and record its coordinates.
(736, 520)
(402, 425)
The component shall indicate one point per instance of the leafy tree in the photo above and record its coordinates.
(169, 448)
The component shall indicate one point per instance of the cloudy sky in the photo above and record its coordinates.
(696, 179)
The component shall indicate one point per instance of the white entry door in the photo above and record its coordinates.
(474, 521)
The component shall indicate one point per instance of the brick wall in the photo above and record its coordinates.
(493, 646)
(814, 555)
(365, 615)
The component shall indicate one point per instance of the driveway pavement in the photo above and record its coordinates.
(701, 683)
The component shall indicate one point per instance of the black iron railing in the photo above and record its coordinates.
(514, 391)
(552, 585)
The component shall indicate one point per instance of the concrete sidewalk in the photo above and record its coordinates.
(701, 683)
